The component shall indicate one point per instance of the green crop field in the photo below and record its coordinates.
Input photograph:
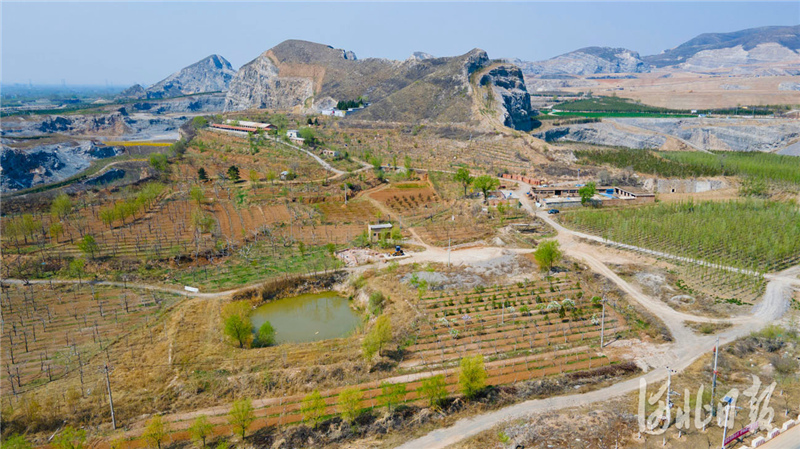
(774, 168)
(771, 167)
(755, 235)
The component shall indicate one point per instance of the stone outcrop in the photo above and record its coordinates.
(587, 61)
(311, 77)
(602, 134)
(515, 101)
(210, 74)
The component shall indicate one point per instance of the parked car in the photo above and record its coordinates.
(552, 211)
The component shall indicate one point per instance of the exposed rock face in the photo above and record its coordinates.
(257, 85)
(587, 61)
(48, 163)
(509, 85)
(106, 124)
(602, 134)
(310, 76)
(210, 74)
(754, 45)
(420, 55)
(702, 134)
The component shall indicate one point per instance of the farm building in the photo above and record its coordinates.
(375, 230)
(331, 153)
(257, 125)
(234, 129)
(294, 136)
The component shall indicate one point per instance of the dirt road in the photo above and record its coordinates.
(687, 347)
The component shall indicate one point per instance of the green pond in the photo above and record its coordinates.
(311, 317)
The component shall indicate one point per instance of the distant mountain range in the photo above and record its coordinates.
(705, 52)
(306, 76)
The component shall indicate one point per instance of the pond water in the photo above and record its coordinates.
(310, 317)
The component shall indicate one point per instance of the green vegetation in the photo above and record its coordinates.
(644, 161)
(485, 183)
(613, 104)
(347, 104)
(155, 431)
(201, 430)
(548, 254)
(380, 334)
(313, 407)
(771, 167)
(72, 438)
(753, 234)
(463, 177)
(587, 192)
(266, 335)
(433, 389)
(392, 394)
(472, 377)
(350, 403)
(17, 442)
(241, 415)
(237, 322)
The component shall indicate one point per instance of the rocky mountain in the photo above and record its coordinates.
(587, 61)
(751, 46)
(210, 74)
(309, 76)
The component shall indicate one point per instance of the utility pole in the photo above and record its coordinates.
(727, 400)
(603, 324)
(714, 379)
(110, 399)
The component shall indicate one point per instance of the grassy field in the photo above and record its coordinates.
(771, 167)
(774, 168)
(755, 235)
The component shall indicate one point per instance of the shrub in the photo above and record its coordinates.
(472, 377)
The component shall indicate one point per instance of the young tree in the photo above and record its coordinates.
(155, 431)
(201, 174)
(241, 415)
(472, 377)
(196, 194)
(379, 335)
(485, 184)
(70, 438)
(200, 430)
(462, 176)
(254, 177)
(433, 388)
(548, 254)
(392, 394)
(76, 268)
(61, 206)
(158, 161)
(587, 192)
(199, 122)
(350, 403)
(56, 230)
(313, 407)
(236, 316)
(266, 334)
(233, 173)
(271, 176)
(88, 245)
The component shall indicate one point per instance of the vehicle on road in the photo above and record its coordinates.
(553, 211)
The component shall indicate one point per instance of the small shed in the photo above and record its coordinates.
(375, 230)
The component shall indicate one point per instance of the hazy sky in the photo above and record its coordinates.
(124, 43)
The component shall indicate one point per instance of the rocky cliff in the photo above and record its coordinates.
(514, 100)
(587, 61)
(210, 74)
(750, 46)
(308, 76)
